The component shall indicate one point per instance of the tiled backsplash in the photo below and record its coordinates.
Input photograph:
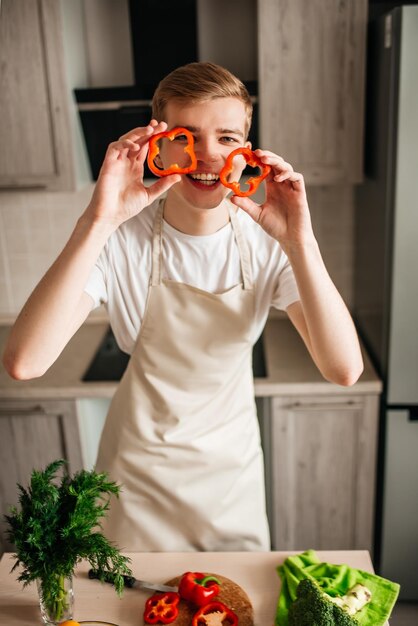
(35, 225)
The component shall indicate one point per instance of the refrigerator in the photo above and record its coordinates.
(386, 282)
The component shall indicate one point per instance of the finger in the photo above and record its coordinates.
(129, 144)
(247, 205)
(162, 185)
(292, 177)
(267, 153)
(297, 181)
(123, 153)
(141, 155)
(120, 149)
(144, 132)
(276, 161)
(138, 133)
(116, 151)
(128, 147)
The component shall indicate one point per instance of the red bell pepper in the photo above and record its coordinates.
(198, 588)
(161, 608)
(253, 182)
(225, 615)
(154, 150)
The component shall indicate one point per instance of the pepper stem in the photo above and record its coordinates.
(206, 579)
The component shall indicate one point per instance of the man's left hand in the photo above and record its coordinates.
(284, 214)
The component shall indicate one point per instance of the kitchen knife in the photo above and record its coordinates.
(130, 581)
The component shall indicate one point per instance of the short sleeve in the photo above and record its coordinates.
(96, 284)
(286, 291)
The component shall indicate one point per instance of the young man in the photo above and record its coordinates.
(188, 282)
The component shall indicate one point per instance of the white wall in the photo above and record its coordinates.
(227, 35)
(108, 43)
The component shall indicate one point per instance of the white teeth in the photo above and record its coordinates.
(205, 177)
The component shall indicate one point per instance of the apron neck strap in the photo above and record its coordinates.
(157, 244)
(157, 239)
(244, 254)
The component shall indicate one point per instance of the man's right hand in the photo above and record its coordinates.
(120, 192)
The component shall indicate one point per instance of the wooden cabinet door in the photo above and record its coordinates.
(323, 456)
(32, 434)
(34, 112)
(311, 85)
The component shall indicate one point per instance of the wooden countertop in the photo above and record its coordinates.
(289, 366)
(255, 572)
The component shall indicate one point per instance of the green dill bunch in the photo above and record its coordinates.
(58, 525)
(313, 607)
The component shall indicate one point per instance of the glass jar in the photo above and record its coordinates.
(56, 600)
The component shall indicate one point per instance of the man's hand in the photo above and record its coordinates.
(285, 213)
(120, 192)
(321, 317)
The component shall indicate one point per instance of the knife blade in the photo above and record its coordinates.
(132, 582)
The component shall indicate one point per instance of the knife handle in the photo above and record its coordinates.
(129, 581)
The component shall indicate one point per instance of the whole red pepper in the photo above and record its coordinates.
(198, 588)
(154, 150)
(227, 616)
(161, 608)
(253, 182)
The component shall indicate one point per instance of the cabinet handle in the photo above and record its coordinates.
(29, 410)
(323, 407)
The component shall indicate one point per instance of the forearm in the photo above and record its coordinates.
(327, 326)
(56, 307)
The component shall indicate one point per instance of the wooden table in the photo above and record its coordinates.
(254, 571)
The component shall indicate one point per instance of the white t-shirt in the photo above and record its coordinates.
(120, 278)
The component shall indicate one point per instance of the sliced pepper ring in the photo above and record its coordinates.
(154, 150)
(225, 615)
(161, 608)
(253, 182)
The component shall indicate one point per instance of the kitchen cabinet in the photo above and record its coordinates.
(311, 85)
(33, 433)
(35, 123)
(321, 457)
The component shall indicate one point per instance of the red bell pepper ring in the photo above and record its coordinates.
(198, 588)
(154, 150)
(225, 615)
(161, 608)
(253, 182)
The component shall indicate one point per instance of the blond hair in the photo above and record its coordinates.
(196, 82)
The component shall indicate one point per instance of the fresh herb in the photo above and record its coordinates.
(58, 525)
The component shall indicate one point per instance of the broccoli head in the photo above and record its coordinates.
(313, 607)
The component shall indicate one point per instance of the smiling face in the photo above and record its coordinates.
(218, 127)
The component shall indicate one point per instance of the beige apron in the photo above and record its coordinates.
(182, 435)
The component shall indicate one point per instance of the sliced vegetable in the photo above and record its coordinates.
(154, 150)
(198, 588)
(313, 606)
(253, 182)
(161, 608)
(215, 614)
(354, 600)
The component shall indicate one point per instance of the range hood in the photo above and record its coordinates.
(160, 43)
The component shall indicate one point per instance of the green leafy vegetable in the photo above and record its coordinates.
(313, 607)
(58, 525)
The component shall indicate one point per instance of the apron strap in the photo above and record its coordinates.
(157, 245)
(157, 242)
(244, 253)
